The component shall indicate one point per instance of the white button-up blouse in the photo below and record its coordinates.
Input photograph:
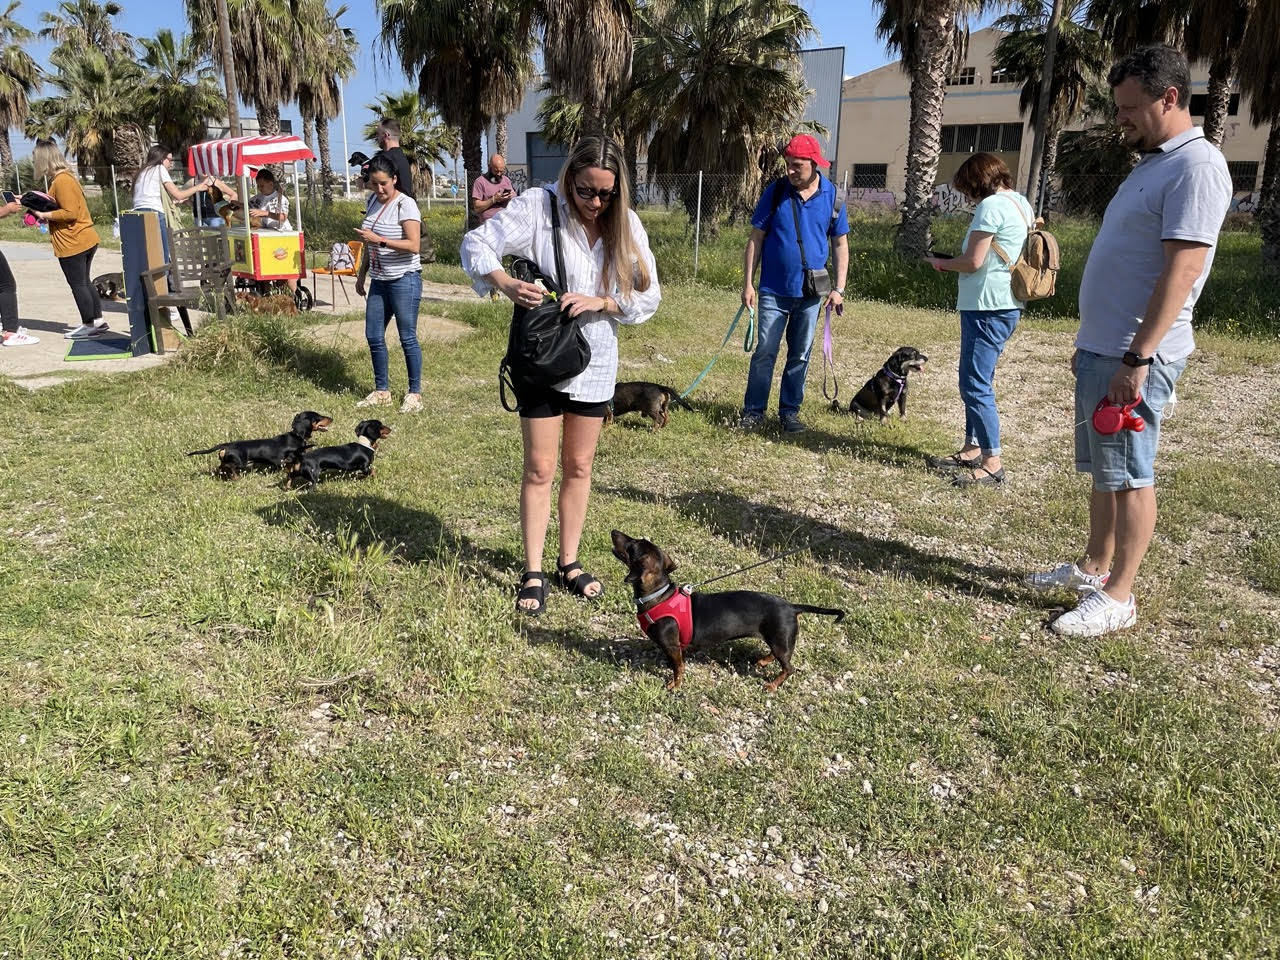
(523, 229)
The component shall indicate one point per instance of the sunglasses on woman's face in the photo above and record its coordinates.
(586, 193)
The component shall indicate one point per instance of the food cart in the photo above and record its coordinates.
(261, 260)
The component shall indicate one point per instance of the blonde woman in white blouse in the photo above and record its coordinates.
(611, 278)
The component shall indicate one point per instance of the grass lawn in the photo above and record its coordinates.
(243, 722)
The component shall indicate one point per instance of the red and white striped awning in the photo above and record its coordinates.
(238, 155)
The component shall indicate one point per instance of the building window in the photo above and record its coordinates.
(1244, 175)
(872, 176)
(964, 77)
(545, 160)
(1001, 75)
(985, 137)
(1199, 101)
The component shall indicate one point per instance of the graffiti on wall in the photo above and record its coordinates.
(1244, 202)
(870, 197)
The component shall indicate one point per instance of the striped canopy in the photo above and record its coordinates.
(238, 155)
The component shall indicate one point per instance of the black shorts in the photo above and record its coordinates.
(540, 403)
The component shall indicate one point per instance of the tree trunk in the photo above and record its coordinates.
(326, 168)
(269, 119)
(1044, 196)
(472, 133)
(1218, 98)
(1268, 214)
(1043, 117)
(309, 138)
(500, 135)
(6, 158)
(128, 149)
(928, 88)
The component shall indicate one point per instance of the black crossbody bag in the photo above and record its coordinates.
(545, 346)
(816, 283)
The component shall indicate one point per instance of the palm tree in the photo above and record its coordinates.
(1259, 72)
(587, 51)
(1081, 58)
(265, 40)
(714, 82)
(424, 139)
(181, 90)
(94, 98)
(930, 34)
(472, 61)
(19, 77)
(325, 64)
(1210, 31)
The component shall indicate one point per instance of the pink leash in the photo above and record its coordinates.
(828, 357)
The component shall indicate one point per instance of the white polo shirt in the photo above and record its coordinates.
(1179, 191)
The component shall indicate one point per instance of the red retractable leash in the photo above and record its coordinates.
(1110, 418)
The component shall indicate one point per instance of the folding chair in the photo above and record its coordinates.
(357, 253)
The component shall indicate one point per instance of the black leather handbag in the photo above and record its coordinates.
(545, 346)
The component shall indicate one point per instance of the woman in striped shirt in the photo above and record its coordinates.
(391, 232)
(611, 278)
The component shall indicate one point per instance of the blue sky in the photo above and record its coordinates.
(847, 23)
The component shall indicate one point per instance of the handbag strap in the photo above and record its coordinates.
(555, 238)
(795, 212)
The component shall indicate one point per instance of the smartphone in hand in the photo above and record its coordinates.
(9, 197)
(941, 256)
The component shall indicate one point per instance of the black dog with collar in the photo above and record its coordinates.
(357, 457)
(888, 388)
(270, 452)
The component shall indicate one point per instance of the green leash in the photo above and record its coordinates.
(748, 344)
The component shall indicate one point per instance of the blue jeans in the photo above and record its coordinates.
(212, 222)
(983, 334)
(397, 298)
(798, 318)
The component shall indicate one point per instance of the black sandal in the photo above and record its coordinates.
(536, 591)
(952, 461)
(579, 583)
(974, 480)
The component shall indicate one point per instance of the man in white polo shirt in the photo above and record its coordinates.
(1145, 271)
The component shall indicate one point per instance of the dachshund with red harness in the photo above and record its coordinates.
(675, 618)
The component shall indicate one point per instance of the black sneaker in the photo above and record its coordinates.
(792, 424)
(750, 422)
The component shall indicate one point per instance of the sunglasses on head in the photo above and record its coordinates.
(586, 193)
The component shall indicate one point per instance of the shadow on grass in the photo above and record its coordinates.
(417, 536)
(776, 530)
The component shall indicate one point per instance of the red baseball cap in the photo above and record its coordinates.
(805, 147)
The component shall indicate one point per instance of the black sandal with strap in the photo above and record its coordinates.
(579, 583)
(952, 462)
(537, 591)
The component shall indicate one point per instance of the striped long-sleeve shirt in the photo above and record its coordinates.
(523, 229)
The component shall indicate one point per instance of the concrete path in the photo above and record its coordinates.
(45, 307)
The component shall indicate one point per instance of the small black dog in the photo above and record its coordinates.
(653, 400)
(110, 286)
(272, 452)
(888, 387)
(708, 617)
(306, 467)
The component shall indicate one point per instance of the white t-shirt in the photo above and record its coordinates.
(385, 263)
(148, 188)
(276, 203)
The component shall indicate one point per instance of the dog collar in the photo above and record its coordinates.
(678, 606)
(364, 442)
(650, 597)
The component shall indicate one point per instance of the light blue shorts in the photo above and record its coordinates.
(1124, 460)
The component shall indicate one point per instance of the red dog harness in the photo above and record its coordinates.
(678, 606)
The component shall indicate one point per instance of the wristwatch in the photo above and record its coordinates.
(839, 290)
(382, 244)
(1131, 359)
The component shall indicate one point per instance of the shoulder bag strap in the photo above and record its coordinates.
(795, 212)
(555, 239)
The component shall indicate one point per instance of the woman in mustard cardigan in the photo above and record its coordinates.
(74, 239)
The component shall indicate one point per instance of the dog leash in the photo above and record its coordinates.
(690, 587)
(748, 344)
(829, 358)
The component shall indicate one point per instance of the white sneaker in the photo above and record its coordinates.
(87, 330)
(376, 399)
(1067, 576)
(20, 338)
(1095, 615)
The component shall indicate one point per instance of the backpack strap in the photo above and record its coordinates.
(995, 244)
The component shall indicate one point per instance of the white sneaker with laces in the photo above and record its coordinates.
(87, 330)
(20, 338)
(375, 399)
(1095, 615)
(1067, 576)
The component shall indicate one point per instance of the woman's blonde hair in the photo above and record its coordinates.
(623, 263)
(48, 160)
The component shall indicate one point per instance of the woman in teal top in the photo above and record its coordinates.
(988, 310)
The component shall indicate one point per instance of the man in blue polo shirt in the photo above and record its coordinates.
(1145, 271)
(808, 201)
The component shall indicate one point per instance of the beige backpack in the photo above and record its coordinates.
(1035, 273)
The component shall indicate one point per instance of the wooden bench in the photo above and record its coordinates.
(200, 269)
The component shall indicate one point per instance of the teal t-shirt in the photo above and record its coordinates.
(987, 288)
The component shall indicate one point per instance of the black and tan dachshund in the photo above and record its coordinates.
(888, 388)
(306, 467)
(110, 286)
(653, 400)
(709, 617)
(271, 452)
